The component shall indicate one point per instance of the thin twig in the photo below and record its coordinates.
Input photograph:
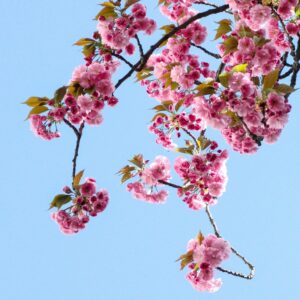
(74, 161)
(140, 45)
(237, 274)
(219, 71)
(215, 55)
(193, 138)
(256, 138)
(170, 184)
(286, 74)
(211, 5)
(123, 59)
(293, 49)
(72, 127)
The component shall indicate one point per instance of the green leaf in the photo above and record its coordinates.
(200, 238)
(224, 27)
(126, 177)
(179, 104)
(245, 32)
(128, 3)
(35, 101)
(60, 200)
(234, 118)
(143, 74)
(84, 42)
(167, 28)
(205, 88)
(88, 50)
(107, 12)
(270, 79)
(60, 94)
(185, 259)
(77, 178)
(230, 45)
(224, 79)
(37, 110)
(138, 160)
(203, 142)
(260, 41)
(240, 68)
(284, 89)
(187, 150)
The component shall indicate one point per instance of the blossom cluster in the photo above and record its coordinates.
(116, 32)
(89, 90)
(204, 255)
(204, 175)
(149, 178)
(234, 102)
(85, 201)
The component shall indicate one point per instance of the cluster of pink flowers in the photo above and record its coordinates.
(41, 127)
(206, 254)
(254, 12)
(116, 33)
(146, 187)
(176, 10)
(205, 177)
(176, 64)
(261, 50)
(243, 115)
(94, 83)
(86, 202)
(164, 125)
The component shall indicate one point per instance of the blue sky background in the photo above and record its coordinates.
(129, 252)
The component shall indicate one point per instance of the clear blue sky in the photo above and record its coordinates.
(127, 253)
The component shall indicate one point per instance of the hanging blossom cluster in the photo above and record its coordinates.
(204, 255)
(85, 202)
(149, 178)
(244, 99)
(205, 177)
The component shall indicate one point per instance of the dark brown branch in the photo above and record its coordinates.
(296, 65)
(120, 57)
(237, 274)
(211, 5)
(192, 137)
(139, 45)
(170, 184)
(293, 49)
(143, 61)
(217, 233)
(219, 71)
(74, 161)
(215, 55)
(257, 139)
(72, 127)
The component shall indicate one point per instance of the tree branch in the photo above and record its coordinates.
(192, 137)
(170, 184)
(139, 45)
(123, 59)
(237, 274)
(72, 127)
(144, 59)
(211, 5)
(215, 55)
